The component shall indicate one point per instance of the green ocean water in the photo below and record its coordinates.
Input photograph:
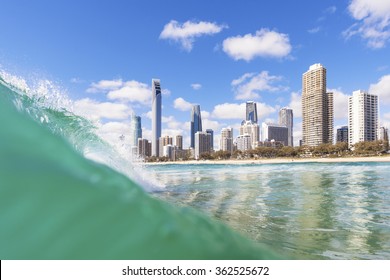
(56, 204)
(305, 210)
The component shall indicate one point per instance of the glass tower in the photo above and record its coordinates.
(135, 130)
(156, 116)
(251, 111)
(196, 123)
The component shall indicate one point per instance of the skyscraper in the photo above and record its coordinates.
(156, 116)
(196, 123)
(211, 132)
(286, 119)
(317, 107)
(251, 111)
(227, 139)
(135, 130)
(362, 117)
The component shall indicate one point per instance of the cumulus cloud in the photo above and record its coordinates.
(382, 89)
(238, 111)
(132, 91)
(95, 110)
(182, 105)
(372, 22)
(249, 85)
(265, 43)
(296, 104)
(125, 91)
(186, 33)
(340, 104)
(196, 86)
(105, 85)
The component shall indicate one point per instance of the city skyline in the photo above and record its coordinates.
(201, 56)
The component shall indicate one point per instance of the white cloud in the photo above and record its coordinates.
(205, 114)
(181, 104)
(249, 85)
(373, 21)
(95, 110)
(340, 104)
(229, 111)
(314, 30)
(132, 91)
(186, 33)
(125, 91)
(382, 89)
(237, 111)
(105, 85)
(265, 43)
(196, 86)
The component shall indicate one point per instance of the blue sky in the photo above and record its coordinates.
(218, 54)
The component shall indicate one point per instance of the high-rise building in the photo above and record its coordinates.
(251, 111)
(252, 129)
(144, 148)
(135, 130)
(156, 116)
(342, 134)
(244, 142)
(211, 132)
(274, 132)
(227, 139)
(179, 142)
(383, 134)
(317, 107)
(286, 119)
(164, 141)
(202, 143)
(196, 123)
(362, 117)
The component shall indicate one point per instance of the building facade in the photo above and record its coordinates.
(226, 143)
(196, 123)
(179, 142)
(211, 132)
(202, 143)
(317, 107)
(156, 116)
(244, 142)
(135, 130)
(274, 132)
(342, 134)
(253, 130)
(286, 119)
(164, 141)
(144, 148)
(251, 111)
(362, 117)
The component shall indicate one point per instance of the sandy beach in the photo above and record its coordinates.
(385, 158)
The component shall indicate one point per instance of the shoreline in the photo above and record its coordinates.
(385, 158)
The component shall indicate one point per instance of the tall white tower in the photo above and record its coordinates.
(362, 117)
(156, 116)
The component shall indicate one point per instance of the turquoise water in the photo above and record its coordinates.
(57, 204)
(308, 210)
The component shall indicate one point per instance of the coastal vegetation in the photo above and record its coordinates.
(341, 149)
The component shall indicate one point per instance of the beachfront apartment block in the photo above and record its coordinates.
(362, 117)
(317, 107)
